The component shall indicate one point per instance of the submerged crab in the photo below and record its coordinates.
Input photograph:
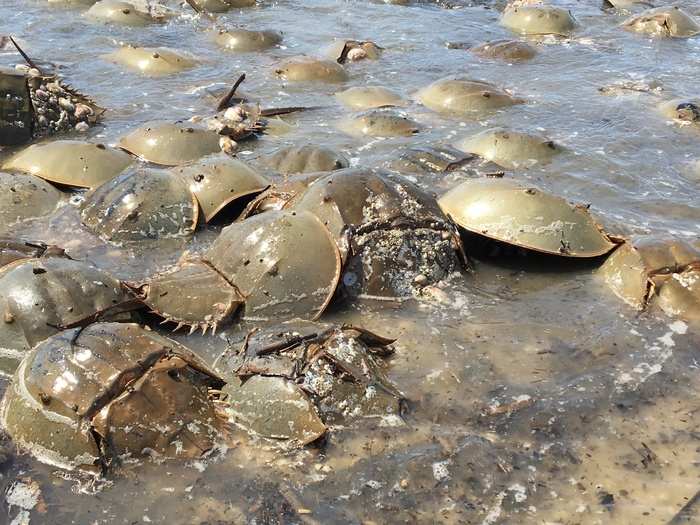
(670, 22)
(156, 204)
(506, 211)
(369, 97)
(306, 159)
(40, 297)
(287, 382)
(87, 398)
(510, 50)
(651, 269)
(24, 197)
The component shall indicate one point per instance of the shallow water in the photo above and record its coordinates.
(536, 395)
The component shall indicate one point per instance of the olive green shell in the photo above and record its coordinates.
(118, 12)
(524, 216)
(667, 21)
(152, 61)
(538, 20)
(464, 97)
(379, 123)
(141, 205)
(244, 40)
(84, 397)
(430, 159)
(71, 162)
(170, 144)
(217, 183)
(267, 258)
(680, 294)
(508, 50)
(510, 149)
(369, 97)
(40, 296)
(309, 69)
(24, 197)
(16, 111)
(306, 159)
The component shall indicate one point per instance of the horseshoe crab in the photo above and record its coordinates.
(243, 40)
(379, 123)
(343, 51)
(16, 110)
(306, 159)
(510, 149)
(70, 162)
(669, 21)
(509, 50)
(288, 380)
(171, 144)
(538, 20)
(682, 110)
(24, 197)
(464, 97)
(392, 236)
(40, 297)
(309, 69)
(151, 61)
(118, 12)
(507, 211)
(220, 6)
(369, 97)
(12, 249)
(282, 194)
(431, 159)
(85, 398)
(261, 262)
(656, 269)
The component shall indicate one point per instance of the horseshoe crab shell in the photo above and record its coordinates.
(680, 294)
(13, 249)
(306, 159)
(221, 6)
(462, 97)
(84, 397)
(39, 297)
(218, 183)
(667, 21)
(343, 51)
(636, 269)
(289, 378)
(170, 144)
(507, 211)
(509, 50)
(510, 149)
(24, 197)
(538, 20)
(682, 110)
(151, 61)
(243, 40)
(267, 257)
(71, 162)
(430, 159)
(400, 239)
(369, 97)
(309, 69)
(118, 12)
(282, 194)
(379, 123)
(141, 205)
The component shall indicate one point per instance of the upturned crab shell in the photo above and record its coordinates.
(306, 159)
(24, 197)
(39, 297)
(217, 183)
(71, 162)
(632, 268)
(507, 211)
(267, 257)
(221, 6)
(141, 205)
(244, 40)
(353, 49)
(309, 69)
(152, 61)
(379, 123)
(510, 50)
(462, 97)
(510, 149)
(118, 12)
(85, 397)
(369, 97)
(538, 20)
(667, 21)
(170, 144)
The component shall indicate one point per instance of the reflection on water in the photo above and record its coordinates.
(536, 395)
